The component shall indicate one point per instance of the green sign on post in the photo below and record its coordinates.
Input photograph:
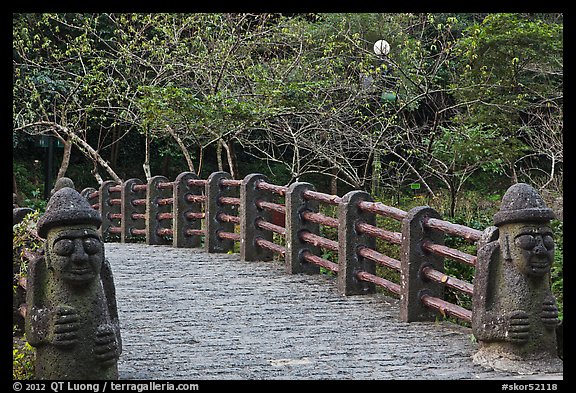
(415, 186)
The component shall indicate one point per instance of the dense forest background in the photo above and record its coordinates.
(462, 103)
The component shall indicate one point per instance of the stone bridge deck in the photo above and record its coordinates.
(186, 314)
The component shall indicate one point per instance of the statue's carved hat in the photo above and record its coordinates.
(67, 207)
(522, 203)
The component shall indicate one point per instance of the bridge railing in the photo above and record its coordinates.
(267, 219)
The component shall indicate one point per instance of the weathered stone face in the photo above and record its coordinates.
(529, 246)
(72, 319)
(514, 312)
(75, 254)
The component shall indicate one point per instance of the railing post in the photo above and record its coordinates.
(153, 209)
(413, 259)
(106, 209)
(129, 208)
(214, 190)
(94, 200)
(296, 204)
(349, 241)
(181, 207)
(249, 212)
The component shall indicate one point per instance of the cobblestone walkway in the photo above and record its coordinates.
(186, 314)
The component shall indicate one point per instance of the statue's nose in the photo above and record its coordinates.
(539, 248)
(79, 255)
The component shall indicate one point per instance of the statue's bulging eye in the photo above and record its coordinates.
(548, 242)
(92, 246)
(526, 242)
(64, 247)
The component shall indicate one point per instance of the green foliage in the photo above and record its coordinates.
(23, 356)
(557, 272)
(24, 237)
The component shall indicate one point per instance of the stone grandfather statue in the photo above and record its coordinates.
(514, 312)
(72, 317)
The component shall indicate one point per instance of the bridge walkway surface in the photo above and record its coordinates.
(187, 314)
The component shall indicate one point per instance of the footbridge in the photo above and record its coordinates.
(186, 314)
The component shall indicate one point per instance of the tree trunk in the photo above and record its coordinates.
(183, 149)
(219, 155)
(146, 164)
(230, 157)
(200, 160)
(65, 158)
(82, 145)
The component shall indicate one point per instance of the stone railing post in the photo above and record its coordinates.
(107, 208)
(86, 193)
(133, 215)
(214, 191)
(249, 232)
(181, 207)
(296, 204)
(413, 258)
(515, 315)
(349, 241)
(153, 209)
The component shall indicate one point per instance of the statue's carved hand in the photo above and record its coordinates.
(66, 325)
(106, 349)
(518, 330)
(549, 313)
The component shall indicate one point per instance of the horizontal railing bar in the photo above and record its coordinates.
(115, 188)
(263, 224)
(447, 308)
(138, 202)
(228, 218)
(195, 232)
(316, 260)
(139, 187)
(448, 252)
(383, 210)
(389, 285)
(320, 218)
(165, 185)
(115, 216)
(95, 206)
(197, 182)
(278, 249)
(230, 182)
(280, 190)
(164, 216)
(137, 232)
(379, 258)
(114, 201)
(271, 206)
(320, 196)
(138, 216)
(229, 236)
(94, 194)
(319, 241)
(470, 234)
(115, 230)
(165, 201)
(391, 237)
(195, 215)
(448, 281)
(195, 198)
(229, 201)
(165, 232)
